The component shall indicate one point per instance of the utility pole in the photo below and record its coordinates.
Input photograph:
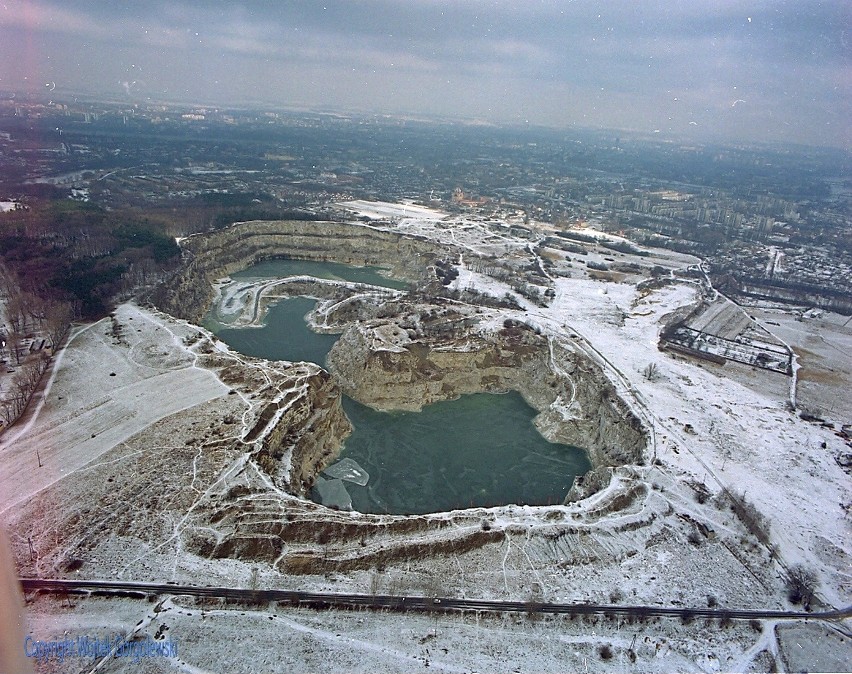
(39, 458)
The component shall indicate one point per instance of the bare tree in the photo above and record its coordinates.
(58, 316)
(15, 402)
(375, 582)
(14, 342)
(24, 384)
(16, 311)
(8, 284)
(801, 585)
(36, 308)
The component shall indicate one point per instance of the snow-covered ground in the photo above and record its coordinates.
(720, 433)
(271, 638)
(823, 342)
(118, 436)
(91, 405)
(481, 234)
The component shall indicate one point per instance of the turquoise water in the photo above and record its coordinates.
(284, 335)
(479, 450)
(332, 271)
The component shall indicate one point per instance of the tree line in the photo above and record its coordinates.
(81, 254)
(62, 260)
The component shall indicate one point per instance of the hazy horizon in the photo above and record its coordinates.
(734, 70)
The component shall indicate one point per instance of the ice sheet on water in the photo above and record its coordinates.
(333, 494)
(349, 470)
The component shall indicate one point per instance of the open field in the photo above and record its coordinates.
(823, 342)
(100, 396)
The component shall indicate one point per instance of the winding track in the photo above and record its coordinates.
(403, 603)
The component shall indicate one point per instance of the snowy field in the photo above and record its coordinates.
(92, 404)
(823, 342)
(134, 451)
(480, 234)
(273, 638)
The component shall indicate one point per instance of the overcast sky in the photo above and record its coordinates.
(762, 70)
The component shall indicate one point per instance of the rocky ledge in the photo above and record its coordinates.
(379, 363)
(212, 255)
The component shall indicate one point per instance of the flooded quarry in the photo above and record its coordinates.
(479, 450)
(476, 450)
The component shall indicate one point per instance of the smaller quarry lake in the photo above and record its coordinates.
(477, 451)
(285, 335)
(331, 271)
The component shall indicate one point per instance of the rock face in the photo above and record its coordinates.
(377, 365)
(305, 424)
(399, 352)
(295, 422)
(211, 255)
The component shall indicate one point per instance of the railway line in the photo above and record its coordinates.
(320, 600)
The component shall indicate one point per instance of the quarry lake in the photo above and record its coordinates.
(332, 271)
(478, 450)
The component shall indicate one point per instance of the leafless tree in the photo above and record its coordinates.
(14, 342)
(24, 384)
(58, 318)
(16, 311)
(801, 585)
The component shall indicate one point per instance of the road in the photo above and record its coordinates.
(402, 603)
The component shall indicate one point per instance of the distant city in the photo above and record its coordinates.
(518, 398)
(771, 222)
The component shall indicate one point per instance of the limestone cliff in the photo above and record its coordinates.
(215, 254)
(379, 366)
(307, 425)
(295, 423)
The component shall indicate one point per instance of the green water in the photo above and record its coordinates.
(332, 271)
(284, 335)
(479, 450)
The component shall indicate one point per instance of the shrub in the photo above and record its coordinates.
(753, 520)
(651, 372)
(801, 584)
(605, 651)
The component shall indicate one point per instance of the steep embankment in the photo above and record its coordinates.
(380, 367)
(300, 428)
(212, 255)
(401, 354)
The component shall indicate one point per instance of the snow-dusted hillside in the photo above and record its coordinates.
(152, 418)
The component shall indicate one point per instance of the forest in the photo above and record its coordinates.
(61, 250)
